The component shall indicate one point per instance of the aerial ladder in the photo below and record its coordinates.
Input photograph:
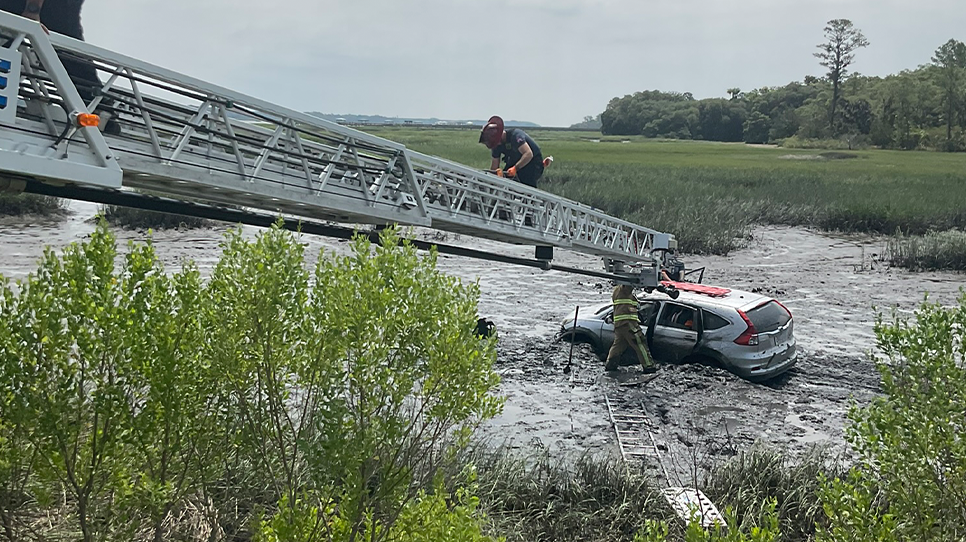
(183, 138)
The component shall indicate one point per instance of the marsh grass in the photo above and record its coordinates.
(748, 480)
(540, 497)
(30, 204)
(132, 218)
(710, 195)
(534, 495)
(929, 252)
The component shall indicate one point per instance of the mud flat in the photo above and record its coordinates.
(702, 414)
(699, 414)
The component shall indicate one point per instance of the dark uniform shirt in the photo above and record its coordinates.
(510, 149)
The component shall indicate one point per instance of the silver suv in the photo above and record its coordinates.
(747, 333)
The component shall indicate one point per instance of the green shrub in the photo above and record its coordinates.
(909, 482)
(135, 404)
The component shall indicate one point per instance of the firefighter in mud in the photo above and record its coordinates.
(627, 331)
(523, 158)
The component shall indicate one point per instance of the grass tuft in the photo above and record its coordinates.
(540, 497)
(30, 204)
(929, 252)
(137, 219)
(747, 481)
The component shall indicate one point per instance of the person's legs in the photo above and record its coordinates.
(531, 173)
(64, 17)
(637, 343)
(617, 349)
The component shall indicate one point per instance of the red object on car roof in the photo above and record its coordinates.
(712, 291)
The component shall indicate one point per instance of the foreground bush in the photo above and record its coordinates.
(267, 404)
(910, 479)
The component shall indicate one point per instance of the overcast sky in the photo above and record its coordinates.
(547, 61)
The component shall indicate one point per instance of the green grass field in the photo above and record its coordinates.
(709, 195)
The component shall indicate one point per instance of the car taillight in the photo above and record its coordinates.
(750, 335)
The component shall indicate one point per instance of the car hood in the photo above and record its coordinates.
(586, 313)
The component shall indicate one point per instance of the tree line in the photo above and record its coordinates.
(924, 108)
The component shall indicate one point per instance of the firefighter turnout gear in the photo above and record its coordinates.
(627, 330)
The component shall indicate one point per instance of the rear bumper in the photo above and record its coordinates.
(779, 364)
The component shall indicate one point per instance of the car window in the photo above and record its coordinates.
(646, 307)
(677, 316)
(769, 317)
(712, 321)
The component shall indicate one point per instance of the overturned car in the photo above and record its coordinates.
(749, 334)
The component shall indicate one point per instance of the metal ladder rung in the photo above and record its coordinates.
(634, 453)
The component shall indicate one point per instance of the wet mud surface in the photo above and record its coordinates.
(698, 414)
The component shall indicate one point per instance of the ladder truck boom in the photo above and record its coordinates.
(181, 137)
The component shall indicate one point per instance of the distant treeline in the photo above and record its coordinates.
(923, 108)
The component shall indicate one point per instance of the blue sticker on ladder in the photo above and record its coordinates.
(3, 102)
(5, 66)
(3, 82)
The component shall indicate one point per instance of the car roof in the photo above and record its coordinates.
(734, 299)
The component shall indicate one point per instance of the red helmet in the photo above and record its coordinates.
(492, 133)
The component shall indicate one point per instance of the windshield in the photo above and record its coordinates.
(769, 317)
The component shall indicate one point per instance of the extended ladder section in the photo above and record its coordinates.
(176, 136)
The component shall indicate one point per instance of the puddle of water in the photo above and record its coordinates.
(811, 436)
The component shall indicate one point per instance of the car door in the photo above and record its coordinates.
(676, 332)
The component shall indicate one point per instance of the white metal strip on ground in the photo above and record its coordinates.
(691, 504)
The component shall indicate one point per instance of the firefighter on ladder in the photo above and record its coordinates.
(524, 161)
(627, 331)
